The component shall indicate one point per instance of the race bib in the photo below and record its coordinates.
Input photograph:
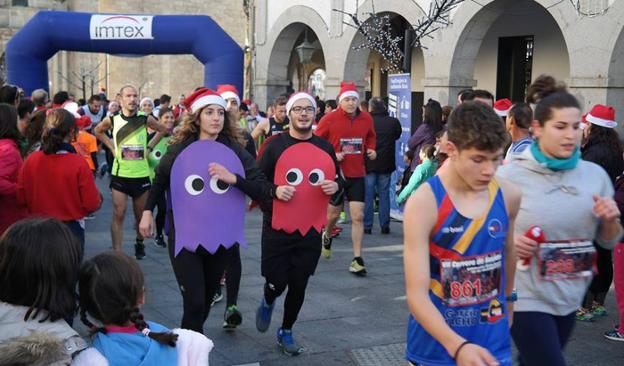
(566, 259)
(351, 145)
(132, 152)
(471, 280)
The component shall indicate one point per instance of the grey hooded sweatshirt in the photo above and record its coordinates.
(561, 203)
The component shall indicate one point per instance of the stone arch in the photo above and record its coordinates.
(274, 56)
(486, 23)
(355, 62)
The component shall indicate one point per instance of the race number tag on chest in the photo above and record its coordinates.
(471, 280)
(566, 259)
(351, 145)
(132, 152)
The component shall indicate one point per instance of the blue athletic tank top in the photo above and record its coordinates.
(466, 259)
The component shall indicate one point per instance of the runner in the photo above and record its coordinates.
(130, 171)
(459, 259)
(352, 134)
(274, 125)
(303, 171)
(206, 172)
(160, 143)
(94, 110)
(518, 122)
(571, 201)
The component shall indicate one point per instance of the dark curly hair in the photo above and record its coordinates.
(476, 125)
(110, 286)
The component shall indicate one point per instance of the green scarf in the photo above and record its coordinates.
(555, 164)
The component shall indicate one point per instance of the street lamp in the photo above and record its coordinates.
(305, 50)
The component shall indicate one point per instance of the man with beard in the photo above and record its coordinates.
(304, 173)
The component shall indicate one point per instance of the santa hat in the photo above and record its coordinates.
(228, 91)
(602, 115)
(348, 89)
(72, 107)
(83, 122)
(583, 121)
(298, 96)
(201, 98)
(502, 107)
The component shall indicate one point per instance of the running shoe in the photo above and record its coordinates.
(326, 240)
(263, 316)
(139, 249)
(598, 310)
(368, 231)
(287, 343)
(357, 267)
(160, 242)
(385, 230)
(584, 315)
(343, 218)
(218, 296)
(232, 317)
(614, 335)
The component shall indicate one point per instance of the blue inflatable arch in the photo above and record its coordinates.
(48, 32)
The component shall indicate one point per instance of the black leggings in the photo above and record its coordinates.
(198, 276)
(297, 281)
(161, 215)
(540, 337)
(233, 275)
(602, 281)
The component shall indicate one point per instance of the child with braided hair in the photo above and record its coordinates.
(111, 287)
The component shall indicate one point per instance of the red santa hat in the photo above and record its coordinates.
(201, 98)
(227, 91)
(348, 89)
(502, 107)
(583, 121)
(602, 115)
(297, 96)
(83, 122)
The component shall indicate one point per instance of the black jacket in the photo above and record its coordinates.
(605, 157)
(388, 130)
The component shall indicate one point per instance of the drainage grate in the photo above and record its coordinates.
(388, 355)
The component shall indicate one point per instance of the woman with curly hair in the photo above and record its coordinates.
(205, 173)
(601, 146)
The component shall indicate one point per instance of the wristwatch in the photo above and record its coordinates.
(513, 297)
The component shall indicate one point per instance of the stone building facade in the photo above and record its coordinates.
(585, 52)
(154, 75)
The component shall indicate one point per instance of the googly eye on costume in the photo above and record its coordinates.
(316, 176)
(217, 186)
(294, 177)
(194, 184)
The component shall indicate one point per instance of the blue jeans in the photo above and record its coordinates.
(379, 183)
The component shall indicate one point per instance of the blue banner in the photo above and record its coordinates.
(400, 107)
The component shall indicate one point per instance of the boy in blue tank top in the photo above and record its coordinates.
(459, 259)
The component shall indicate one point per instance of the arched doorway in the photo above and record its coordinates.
(369, 69)
(506, 45)
(296, 53)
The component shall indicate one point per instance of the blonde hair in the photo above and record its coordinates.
(189, 127)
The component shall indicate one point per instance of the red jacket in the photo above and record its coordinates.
(351, 136)
(11, 210)
(58, 185)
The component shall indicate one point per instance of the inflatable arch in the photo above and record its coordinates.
(48, 32)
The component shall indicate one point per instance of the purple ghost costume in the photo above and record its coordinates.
(206, 211)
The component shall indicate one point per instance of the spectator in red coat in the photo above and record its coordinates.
(10, 164)
(55, 181)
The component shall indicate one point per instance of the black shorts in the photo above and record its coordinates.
(133, 187)
(281, 252)
(353, 190)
